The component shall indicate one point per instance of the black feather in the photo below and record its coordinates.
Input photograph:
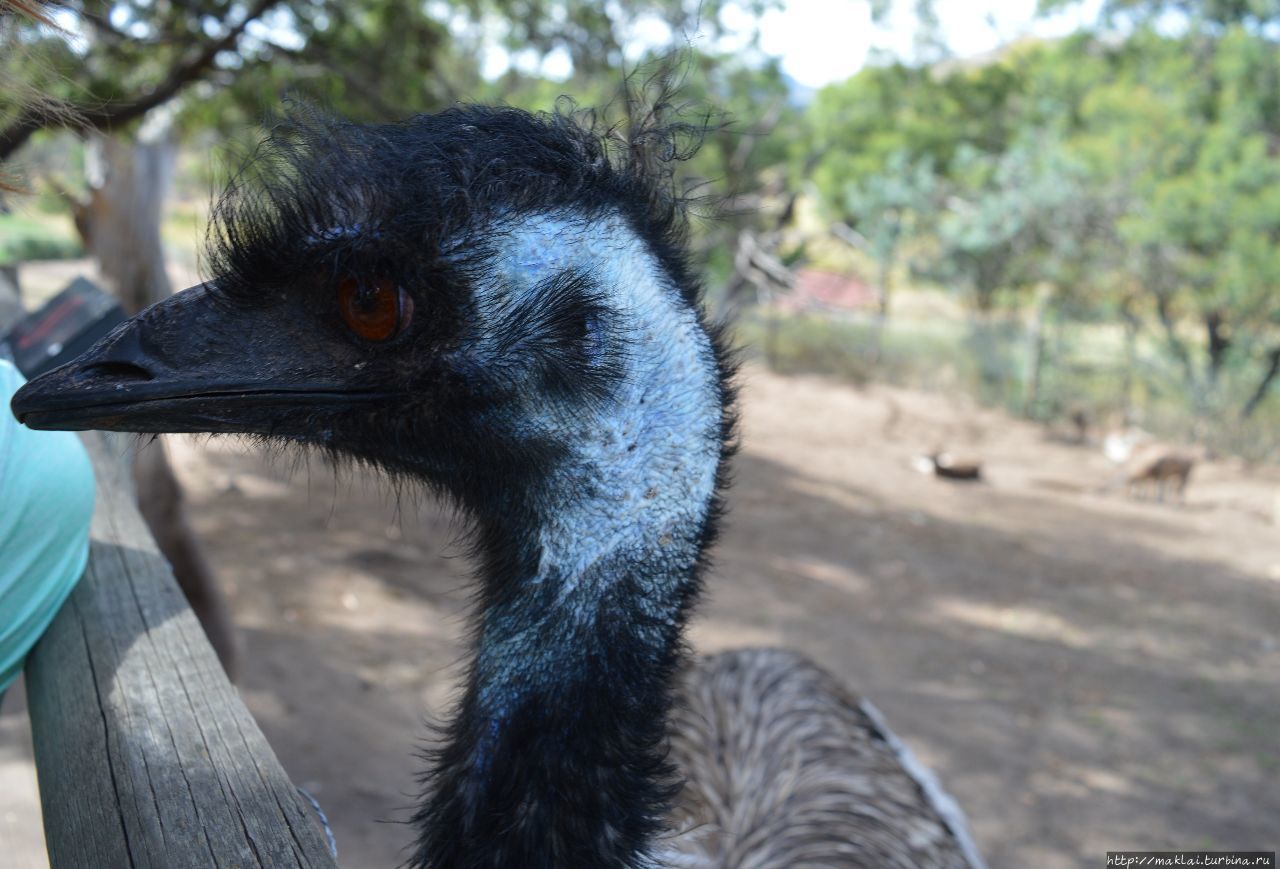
(569, 770)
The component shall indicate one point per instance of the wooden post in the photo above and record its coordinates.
(1035, 350)
(146, 755)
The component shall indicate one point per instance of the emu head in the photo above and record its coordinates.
(468, 297)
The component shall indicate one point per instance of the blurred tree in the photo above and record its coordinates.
(1191, 140)
(592, 35)
(1253, 15)
(376, 60)
(1138, 173)
(926, 139)
(883, 209)
(751, 167)
(141, 55)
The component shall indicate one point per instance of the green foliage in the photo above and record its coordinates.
(1255, 14)
(593, 34)
(928, 354)
(24, 238)
(1126, 178)
(377, 60)
(987, 359)
(1136, 173)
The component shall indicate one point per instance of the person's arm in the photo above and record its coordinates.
(46, 503)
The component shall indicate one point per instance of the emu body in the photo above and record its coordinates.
(497, 306)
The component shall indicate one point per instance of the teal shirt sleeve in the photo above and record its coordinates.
(46, 502)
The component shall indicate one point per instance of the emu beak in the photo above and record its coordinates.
(194, 364)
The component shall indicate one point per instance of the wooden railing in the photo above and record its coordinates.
(145, 753)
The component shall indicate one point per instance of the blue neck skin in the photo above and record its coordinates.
(554, 758)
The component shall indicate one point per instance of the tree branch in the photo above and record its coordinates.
(37, 116)
(1218, 342)
(327, 65)
(1264, 385)
(1174, 343)
(103, 26)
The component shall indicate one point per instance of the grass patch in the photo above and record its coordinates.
(26, 237)
(1084, 369)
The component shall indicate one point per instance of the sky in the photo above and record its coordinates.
(824, 41)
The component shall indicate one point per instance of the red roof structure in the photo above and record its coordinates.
(822, 290)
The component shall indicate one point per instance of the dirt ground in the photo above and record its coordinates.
(1083, 671)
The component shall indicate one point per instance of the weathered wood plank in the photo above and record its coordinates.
(145, 753)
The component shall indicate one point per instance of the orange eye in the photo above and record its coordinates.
(375, 310)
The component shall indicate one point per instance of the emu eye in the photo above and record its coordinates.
(376, 310)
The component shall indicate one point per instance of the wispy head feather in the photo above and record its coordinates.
(415, 195)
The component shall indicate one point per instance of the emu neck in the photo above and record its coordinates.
(556, 755)
(555, 758)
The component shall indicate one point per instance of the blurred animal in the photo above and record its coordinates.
(1168, 469)
(945, 465)
(1079, 426)
(1150, 467)
(497, 305)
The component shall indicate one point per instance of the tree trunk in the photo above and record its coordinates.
(10, 297)
(1217, 344)
(772, 326)
(884, 279)
(1035, 350)
(1132, 325)
(1264, 385)
(1180, 352)
(10, 289)
(121, 227)
(121, 220)
(733, 298)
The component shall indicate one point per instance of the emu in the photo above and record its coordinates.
(497, 305)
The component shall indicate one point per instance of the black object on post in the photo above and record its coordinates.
(68, 324)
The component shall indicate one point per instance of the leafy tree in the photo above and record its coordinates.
(1253, 15)
(1138, 173)
(884, 209)
(140, 55)
(1191, 140)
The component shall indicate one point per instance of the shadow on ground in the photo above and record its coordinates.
(1078, 687)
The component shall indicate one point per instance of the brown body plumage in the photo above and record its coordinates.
(784, 767)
